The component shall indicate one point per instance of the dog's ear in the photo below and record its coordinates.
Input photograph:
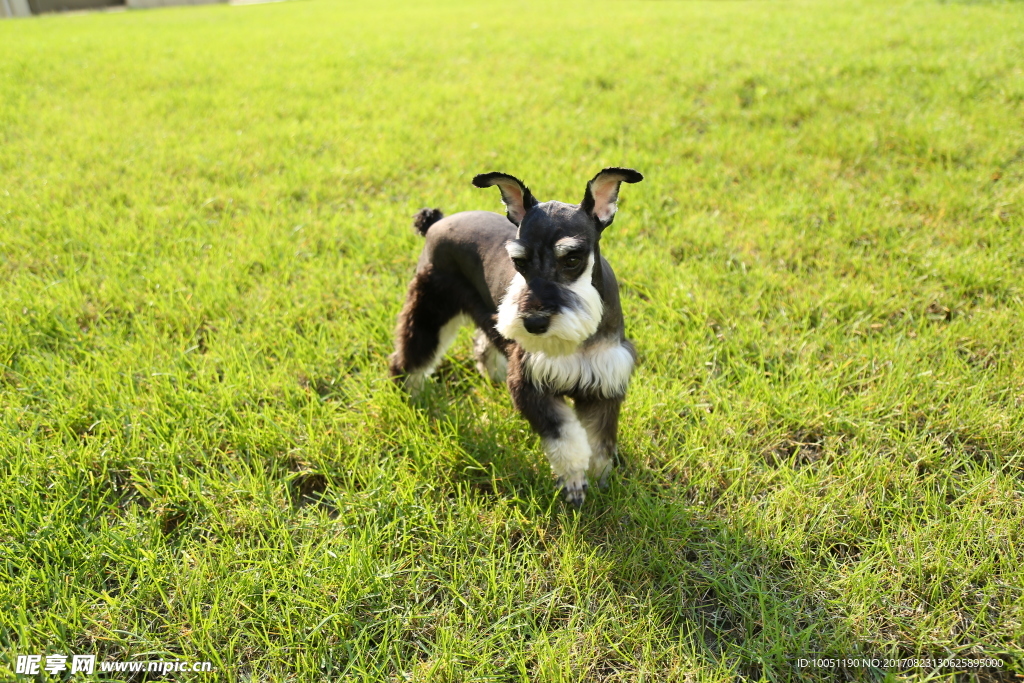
(515, 195)
(603, 192)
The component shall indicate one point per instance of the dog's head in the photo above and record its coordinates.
(552, 304)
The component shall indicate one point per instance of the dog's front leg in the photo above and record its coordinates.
(564, 438)
(600, 417)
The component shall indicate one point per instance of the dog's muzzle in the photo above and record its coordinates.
(537, 324)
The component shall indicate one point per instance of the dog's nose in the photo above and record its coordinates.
(536, 324)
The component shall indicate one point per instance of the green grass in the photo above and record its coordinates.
(204, 241)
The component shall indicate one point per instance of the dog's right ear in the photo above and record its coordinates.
(602, 196)
(514, 194)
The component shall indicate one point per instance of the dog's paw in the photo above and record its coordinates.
(414, 383)
(575, 490)
(601, 468)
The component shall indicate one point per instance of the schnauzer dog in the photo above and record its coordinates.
(546, 307)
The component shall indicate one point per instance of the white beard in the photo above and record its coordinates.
(567, 330)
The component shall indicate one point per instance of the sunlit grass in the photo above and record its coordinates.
(204, 241)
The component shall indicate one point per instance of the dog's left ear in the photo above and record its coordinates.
(515, 195)
(603, 192)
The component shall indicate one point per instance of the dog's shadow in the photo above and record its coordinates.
(721, 596)
(735, 602)
(495, 454)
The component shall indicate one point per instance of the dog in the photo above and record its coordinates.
(546, 307)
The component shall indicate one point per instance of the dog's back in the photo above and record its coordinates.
(469, 244)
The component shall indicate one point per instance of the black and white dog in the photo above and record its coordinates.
(546, 305)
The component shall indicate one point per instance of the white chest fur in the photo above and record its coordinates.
(603, 368)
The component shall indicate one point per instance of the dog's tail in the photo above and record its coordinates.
(424, 218)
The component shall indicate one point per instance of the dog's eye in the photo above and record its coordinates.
(572, 261)
(519, 263)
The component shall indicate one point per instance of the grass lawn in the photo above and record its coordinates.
(205, 238)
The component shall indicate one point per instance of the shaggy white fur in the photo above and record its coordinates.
(569, 453)
(568, 329)
(603, 367)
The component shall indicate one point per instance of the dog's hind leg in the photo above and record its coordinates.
(600, 419)
(490, 361)
(427, 325)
